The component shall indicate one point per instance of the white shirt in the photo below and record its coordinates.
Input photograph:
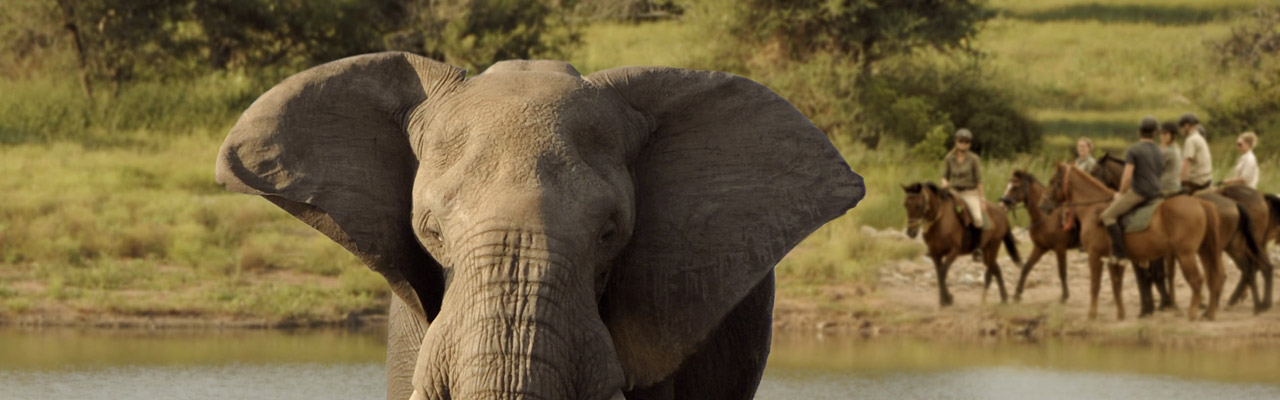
(1247, 169)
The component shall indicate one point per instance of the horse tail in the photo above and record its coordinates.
(1246, 226)
(1012, 247)
(1273, 203)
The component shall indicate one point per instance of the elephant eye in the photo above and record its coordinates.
(429, 228)
(609, 231)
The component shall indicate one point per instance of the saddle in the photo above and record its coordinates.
(962, 211)
(1139, 218)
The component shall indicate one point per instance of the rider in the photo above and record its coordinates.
(1140, 182)
(1170, 159)
(1246, 171)
(962, 173)
(1197, 170)
(1084, 155)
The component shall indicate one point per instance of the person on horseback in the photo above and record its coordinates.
(1197, 170)
(1170, 183)
(962, 173)
(1139, 183)
(1246, 171)
(1084, 155)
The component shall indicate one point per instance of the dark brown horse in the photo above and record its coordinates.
(1046, 229)
(1245, 216)
(1183, 227)
(934, 210)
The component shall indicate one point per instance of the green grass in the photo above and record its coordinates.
(141, 228)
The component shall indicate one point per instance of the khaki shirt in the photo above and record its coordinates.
(1197, 151)
(962, 175)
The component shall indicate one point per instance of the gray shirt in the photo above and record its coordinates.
(1146, 159)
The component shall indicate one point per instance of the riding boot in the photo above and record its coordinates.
(1117, 241)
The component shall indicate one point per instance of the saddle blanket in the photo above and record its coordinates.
(1138, 219)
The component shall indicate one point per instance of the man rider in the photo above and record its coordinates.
(1140, 182)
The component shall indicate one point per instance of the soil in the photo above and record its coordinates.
(903, 300)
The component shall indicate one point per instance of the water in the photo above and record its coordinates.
(56, 364)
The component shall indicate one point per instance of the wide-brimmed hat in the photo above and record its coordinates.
(964, 134)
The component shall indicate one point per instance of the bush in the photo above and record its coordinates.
(913, 98)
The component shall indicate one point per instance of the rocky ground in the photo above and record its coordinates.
(904, 300)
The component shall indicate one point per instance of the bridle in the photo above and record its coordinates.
(927, 208)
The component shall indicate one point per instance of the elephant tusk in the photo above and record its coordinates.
(417, 395)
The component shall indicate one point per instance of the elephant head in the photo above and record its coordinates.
(565, 236)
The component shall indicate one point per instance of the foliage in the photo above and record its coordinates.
(911, 99)
(476, 33)
(865, 31)
(1251, 56)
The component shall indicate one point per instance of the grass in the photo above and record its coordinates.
(143, 228)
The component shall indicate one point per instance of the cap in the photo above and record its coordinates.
(1149, 124)
(1188, 118)
(964, 134)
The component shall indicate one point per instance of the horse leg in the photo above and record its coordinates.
(1246, 279)
(1117, 280)
(1266, 269)
(1095, 283)
(1192, 275)
(942, 264)
(986, 283)
(993, 268)
(1155, 277)
(1143, 275)
(1036, 253)
(1062, 272)
(1168, 301)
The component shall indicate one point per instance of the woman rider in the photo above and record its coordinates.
(962, 173)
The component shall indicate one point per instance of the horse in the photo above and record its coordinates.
(1245, 217)
(1196, 234)
(1046, 231)
(933, 209)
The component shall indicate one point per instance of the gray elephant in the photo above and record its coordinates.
(549, 235)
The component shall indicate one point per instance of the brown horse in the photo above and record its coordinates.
(1046, 230)
(1182, 227)
(934, 210)
(1245, 219)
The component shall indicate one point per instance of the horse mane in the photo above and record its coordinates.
(916, 187)
(1090, 177)
(1028, 177)
(1107, 157)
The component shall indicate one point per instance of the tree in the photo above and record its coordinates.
(474, 34)
(1249, 60)
(866, 31)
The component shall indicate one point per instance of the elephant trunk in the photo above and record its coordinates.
(519, 322)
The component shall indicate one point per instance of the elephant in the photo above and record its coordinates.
(549, 235)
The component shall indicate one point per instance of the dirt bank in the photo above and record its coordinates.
(903, 300)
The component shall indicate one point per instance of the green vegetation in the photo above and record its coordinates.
(107, 202)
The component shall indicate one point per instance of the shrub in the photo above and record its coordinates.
(913, 98)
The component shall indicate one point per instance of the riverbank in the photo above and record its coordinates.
(903, 301)
(900, 301)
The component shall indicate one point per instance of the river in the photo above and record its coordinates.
(339, 364)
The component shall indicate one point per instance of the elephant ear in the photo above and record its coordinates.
(329, 146)
(730, 178)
